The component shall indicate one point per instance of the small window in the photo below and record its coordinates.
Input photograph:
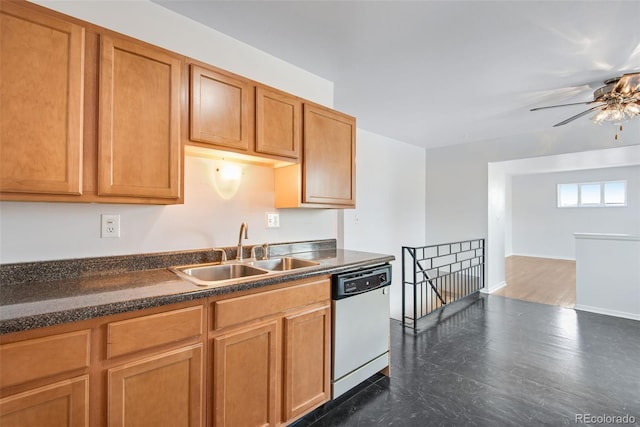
(567, 195)
(590, 194)
(612, 193)
(615, 193)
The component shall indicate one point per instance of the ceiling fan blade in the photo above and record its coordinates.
(562, 105)
(577, 116)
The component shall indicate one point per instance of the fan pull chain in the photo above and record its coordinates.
(616, 138)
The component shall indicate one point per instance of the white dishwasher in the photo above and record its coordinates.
(361, 326)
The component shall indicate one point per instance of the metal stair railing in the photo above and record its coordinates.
(438, 275)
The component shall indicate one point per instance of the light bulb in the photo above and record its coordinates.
(230, 172)
(632, 109)
(601, 116)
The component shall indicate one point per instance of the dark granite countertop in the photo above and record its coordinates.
(89, 292)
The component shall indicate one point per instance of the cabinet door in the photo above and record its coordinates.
(65, 403)
(307, 361)
(221, 109)
(245, 376)
(139, 147)
(278, 123)
(329, 157)
(162, 390)
(41, 96)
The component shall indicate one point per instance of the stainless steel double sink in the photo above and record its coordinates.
(235, 271)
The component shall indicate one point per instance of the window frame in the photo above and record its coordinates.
(602, 203)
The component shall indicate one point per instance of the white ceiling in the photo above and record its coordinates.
(434, 73)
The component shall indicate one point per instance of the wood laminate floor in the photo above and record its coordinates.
(500, 362)
(542, 280)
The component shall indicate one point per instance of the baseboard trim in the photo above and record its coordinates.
(615, 313)
(543, 256)
(494, 288)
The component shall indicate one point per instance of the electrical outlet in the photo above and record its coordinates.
(272, 219)
(110, 226)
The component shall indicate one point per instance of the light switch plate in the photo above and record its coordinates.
(272, 219)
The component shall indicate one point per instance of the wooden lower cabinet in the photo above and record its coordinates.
(246, 376)
(267, 351)
(273, 365)
(56, 355)
(48, 376)
(307, 361)
(64, 403)
(161, 390)
(142, 368)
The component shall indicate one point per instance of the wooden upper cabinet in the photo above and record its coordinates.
(139, 148)
(89, 115)
(221, 109)
(326, 177)
(41, 102)
(329, 157)
(278, 123)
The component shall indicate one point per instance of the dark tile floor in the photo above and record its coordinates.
(495, 361)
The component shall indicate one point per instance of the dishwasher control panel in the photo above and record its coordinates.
(358, 281)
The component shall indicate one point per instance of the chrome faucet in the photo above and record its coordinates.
(244, 227)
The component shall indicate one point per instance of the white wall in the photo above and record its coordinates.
(43, 231)
(498, 176)
(542, 229)
(457, 175)
(459, 197)
(390, 189)
(608, 274)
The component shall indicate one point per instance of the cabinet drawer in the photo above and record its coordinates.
(29, 360)
(243, 309)
(128, 336)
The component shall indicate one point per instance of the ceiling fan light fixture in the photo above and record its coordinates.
(617, 112)
(632, 109)
(609, 114)
(618, 99)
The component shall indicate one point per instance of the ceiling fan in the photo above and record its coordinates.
(617, 100)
